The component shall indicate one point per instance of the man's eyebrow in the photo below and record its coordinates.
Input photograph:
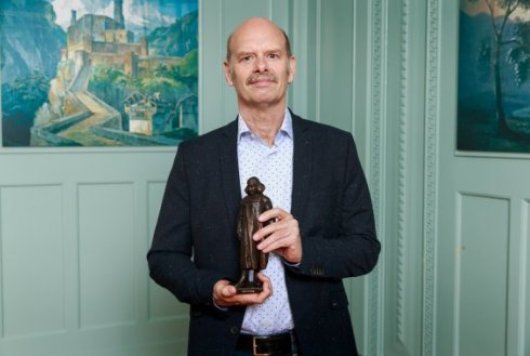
(244, 53)
(250, 52)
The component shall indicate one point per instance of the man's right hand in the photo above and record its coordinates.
(224, 293)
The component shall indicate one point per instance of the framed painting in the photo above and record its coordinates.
(98, 72)
(493, 76)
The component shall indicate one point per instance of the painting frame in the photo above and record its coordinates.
(113, 83)
(493, 119)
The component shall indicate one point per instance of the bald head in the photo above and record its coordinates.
(253, 23)
(259, 65)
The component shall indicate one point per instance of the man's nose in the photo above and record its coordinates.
(260, 64)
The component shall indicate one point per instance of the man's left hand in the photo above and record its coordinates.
(282, 236)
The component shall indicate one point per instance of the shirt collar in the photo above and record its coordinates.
(286, 128)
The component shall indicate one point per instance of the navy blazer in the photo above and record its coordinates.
(195, 242)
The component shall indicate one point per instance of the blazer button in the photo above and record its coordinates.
(234, 330)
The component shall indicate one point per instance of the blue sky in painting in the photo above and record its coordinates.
(138, 13)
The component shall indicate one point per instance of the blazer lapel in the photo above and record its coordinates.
(302, 166)
(230, 170)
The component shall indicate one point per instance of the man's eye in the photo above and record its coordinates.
(274, 55)
(246, 59)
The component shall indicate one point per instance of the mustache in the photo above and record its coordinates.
(257, 77)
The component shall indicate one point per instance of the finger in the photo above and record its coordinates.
(279, 226)
(253, 298)
(266, 236)
(228, 291)
(266, 231)
(263, 278)
(267, 285)
(225, 294)
(274, 213)
(266, 291)
(249, 299)
(287, 244)
(271, 233)
(222, 292)
(276, 242)
(219, 287)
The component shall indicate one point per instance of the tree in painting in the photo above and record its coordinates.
(492, 50)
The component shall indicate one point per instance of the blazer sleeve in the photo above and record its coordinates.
(170, 257)
(349, 246)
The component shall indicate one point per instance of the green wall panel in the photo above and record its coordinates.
(481, 275)
(106, 263)
(33, 289)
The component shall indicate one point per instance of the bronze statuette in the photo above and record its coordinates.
(252, 260)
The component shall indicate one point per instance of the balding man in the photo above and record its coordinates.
(323, 230)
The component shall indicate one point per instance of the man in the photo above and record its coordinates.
(323, 230)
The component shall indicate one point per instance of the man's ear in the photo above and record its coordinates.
(292, 69)
(228, 73)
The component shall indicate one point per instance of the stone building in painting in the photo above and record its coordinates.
(104, 40)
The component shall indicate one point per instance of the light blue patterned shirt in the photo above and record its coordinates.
(273, 166)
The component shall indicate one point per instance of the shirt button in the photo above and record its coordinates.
(234, 330)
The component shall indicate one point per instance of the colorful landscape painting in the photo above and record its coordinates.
(494, 68)
(98, 72)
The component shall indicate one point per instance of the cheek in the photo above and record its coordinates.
(238, 76)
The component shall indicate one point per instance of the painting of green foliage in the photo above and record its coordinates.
(98, 72)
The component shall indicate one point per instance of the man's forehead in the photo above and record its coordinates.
(259, 24)
(253, 42)
(242, 49)
(256, 36)
(256, 29)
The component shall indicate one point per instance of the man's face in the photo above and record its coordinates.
(259, 68)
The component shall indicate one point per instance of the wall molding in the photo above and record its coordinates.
(376, 102)
(403, 176)
(431, 172)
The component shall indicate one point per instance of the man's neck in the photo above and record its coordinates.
(264, 123)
